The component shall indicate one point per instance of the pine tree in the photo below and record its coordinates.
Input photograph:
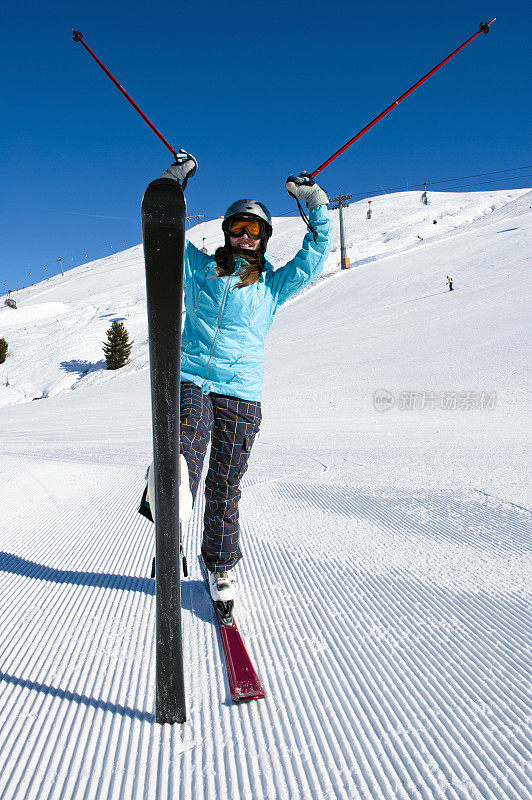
(3, 350)
(117, 348)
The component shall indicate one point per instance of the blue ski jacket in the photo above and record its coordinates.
(222, 348)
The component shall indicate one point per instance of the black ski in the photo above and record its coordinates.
(163, 233)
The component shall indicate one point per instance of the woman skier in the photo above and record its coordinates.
(231, 299)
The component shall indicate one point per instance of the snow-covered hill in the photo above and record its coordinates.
(55, 335)
(385, 523)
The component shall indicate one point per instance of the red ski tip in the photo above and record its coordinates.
(244, 682)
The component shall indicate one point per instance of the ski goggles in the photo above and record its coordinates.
(255, 228)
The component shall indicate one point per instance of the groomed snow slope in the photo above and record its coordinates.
(410, 677)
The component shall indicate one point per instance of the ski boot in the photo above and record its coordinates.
(223, 589)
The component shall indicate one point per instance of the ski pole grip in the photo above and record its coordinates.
(77, 35)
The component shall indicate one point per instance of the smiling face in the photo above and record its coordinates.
(245, 242)
(245, 232)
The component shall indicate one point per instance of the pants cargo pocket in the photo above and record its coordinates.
(247, 444)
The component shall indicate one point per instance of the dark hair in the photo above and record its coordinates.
(225, 264)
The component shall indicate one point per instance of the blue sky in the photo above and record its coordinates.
(255, 91)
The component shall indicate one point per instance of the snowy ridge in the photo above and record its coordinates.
(56, 344)
(385, 584)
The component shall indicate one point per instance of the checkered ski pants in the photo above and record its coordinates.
(231, 425)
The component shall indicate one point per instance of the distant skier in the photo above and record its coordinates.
(231, 299)
(450, 283)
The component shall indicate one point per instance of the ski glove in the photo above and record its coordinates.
(183, 167)
(304, 188)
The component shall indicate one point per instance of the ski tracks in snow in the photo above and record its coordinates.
(390, 632)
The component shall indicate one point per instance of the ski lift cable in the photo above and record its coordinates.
(478, 175)
(416, 186)
(372, 192)
(448, 189)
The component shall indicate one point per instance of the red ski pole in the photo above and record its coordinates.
(79, 38)
(484, 28)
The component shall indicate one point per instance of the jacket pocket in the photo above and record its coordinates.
(201, 288)
(248, 367)
(249, 438)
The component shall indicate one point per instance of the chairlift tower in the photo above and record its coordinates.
(196, 217)
(341, 200)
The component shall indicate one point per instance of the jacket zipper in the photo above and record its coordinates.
(255, 303)
(217, 330)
